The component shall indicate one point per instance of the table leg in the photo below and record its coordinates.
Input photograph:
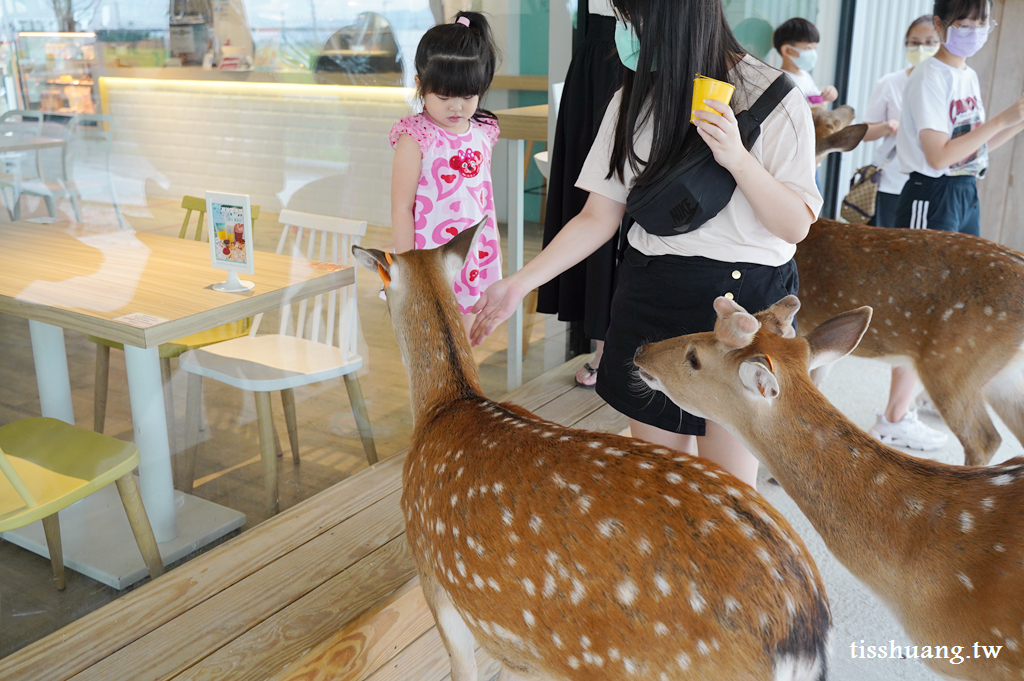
(515, 257)
(51, 361)
(149, 419)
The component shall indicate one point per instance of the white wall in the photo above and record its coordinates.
(879, 30)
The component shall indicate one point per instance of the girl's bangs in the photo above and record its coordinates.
(454, 77)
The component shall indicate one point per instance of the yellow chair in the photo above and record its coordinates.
(46, 465)
(170, 350)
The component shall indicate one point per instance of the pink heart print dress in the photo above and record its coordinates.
(454, 194)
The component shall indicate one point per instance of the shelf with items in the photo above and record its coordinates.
(57, 72)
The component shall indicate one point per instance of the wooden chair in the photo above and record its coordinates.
(46, 465)
(170, 350)
(316, 341)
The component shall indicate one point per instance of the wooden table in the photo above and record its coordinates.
(88, 279)
(9, 143)
(517, 126)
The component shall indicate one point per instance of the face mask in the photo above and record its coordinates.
(806, 60)
(965, 42)
(916, 55)
(627, 45)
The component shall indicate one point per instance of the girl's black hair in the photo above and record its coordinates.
(955, 10)
(923, 20)
(685, 38)
(455, 60)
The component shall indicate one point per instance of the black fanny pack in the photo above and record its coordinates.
(698, 188)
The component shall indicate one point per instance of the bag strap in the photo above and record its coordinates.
(771, 98)
(890, 157)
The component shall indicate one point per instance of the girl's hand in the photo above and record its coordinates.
(1013, 115)
(722, 135)
(495, 305)
(830, 93)
(893, 127)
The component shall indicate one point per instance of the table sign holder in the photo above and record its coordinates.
(231, 239)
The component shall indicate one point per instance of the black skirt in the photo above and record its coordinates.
(585, 291)
(667, 296)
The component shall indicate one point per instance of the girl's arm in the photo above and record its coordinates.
(942, 152)
(880, 130)
(580, 237)
(779, 208)
(405, 178)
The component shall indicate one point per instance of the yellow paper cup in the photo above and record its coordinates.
(709, 88)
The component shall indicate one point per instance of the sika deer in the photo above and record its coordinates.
(941, 545)
(950, 304)
(575, 555)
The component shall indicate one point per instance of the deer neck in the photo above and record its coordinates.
(435, 351)
(860, 496)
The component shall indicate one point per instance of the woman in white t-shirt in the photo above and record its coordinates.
(883, 117)
(666, 285)
(897, 424)
(944, 139)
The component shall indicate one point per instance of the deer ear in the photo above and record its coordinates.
(837, 337)
(457, 251)
(846, 139)
(376, 261)
(759, 379)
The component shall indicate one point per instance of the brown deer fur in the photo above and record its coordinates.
(576, 555)
(941, 545)
(950, 304)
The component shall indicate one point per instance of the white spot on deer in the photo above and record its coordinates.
(549, 585)
(614, 654)
(731, 604)
(584, 503)
(660, 629)
(528, 617)
(674, 478)
(734, 493)
(594, 445)
(646, 465)
(988, 310)
(591, 658)
(703, 648)
(644, 545)
(556, 639)
(959, 306)
(608, 527)
(578, 592)
(714, 499)
(662, 584)
(965, 580)
(683, 660)
(440, 527)
(697, 601)
(629, 665)
(731, 514)
(880, 478)
(600, 464)
(966, 522)
(469, 494)
(546, 434)
(694, 486)
(574, 488)
(914, 506)
(478, 581)
(764, 556)
(574, 662)
(947, 314)
(455, 499)
(988, 503)
(513, 537)
(672, 501)
(458, 473)
(711, 474)
(707, 526)
(497, 487)
(559, 481)
(999, 548)
(1001, 480)
(565, 438)
(506, 516)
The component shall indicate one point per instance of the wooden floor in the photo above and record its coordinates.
(324, 590)
(228, 467)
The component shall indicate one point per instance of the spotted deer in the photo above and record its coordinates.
(941, 545)
(834, 131)
(574, 555)
(951, 305)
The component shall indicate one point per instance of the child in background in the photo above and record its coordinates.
(796, 41)
(441, 177)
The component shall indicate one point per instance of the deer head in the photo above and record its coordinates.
(833, 131)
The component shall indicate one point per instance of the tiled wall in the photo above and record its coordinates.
(315, 148)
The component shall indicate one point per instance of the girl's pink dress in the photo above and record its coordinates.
(455, 193)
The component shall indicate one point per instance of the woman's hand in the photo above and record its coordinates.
(722, 134)
(494, 306)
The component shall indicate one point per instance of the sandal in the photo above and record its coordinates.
(591, 372)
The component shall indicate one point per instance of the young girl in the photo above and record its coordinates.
(667, 284)
(944, 139)
(441, 179)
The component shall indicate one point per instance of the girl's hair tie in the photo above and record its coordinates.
(462, 20)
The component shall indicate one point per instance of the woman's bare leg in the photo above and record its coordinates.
(665, 438)
(721, 447)
(585, 377)
(901, 392)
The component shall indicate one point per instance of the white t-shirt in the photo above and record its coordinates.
(785, 148)
(886, 104)
(805, 82)
(940, 97)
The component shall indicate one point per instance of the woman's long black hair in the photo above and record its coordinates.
(685, 37)
(454, 60)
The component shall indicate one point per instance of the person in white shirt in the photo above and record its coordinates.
(796, 41)
(667, 284)
(897, 424)
(944, 138)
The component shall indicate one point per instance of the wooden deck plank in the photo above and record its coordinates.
(98, 635)
(221, 619)
(604, 420)
(362, 647)
(571, 407)
(272, 645)
(546, 387)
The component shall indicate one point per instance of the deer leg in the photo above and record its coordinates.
(457, 638)
(1005, 393)
(964, 412)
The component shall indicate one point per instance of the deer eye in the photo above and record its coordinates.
(691, 357)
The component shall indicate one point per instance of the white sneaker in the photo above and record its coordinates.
(924, 403)
(908, 432)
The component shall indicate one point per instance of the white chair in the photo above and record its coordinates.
(85, 167)
(316, 341)
(543, 158)
(18, 166)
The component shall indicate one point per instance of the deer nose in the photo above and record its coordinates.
(639, 352)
